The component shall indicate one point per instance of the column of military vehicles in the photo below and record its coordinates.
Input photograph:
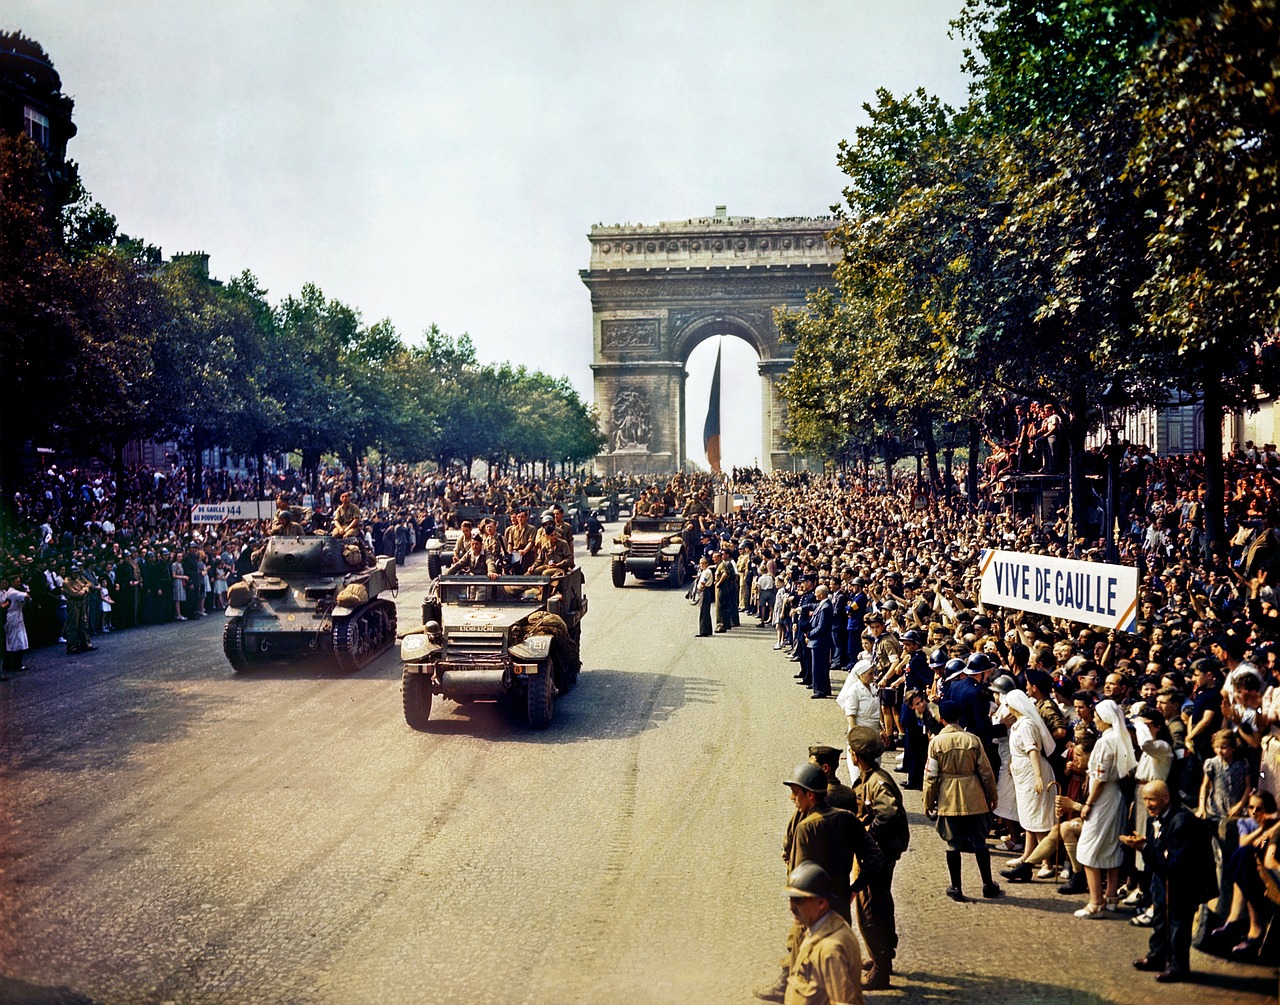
(515, 639)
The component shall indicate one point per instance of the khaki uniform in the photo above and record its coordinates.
(76, 630)
(346, 520)
(827, 969)
(517, 538)
(958, 777)
(551, 556)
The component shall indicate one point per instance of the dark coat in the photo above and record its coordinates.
(1183, 856)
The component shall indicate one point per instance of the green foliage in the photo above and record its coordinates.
(103, 342)
(1037, 63)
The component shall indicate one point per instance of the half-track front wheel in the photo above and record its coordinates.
(619, 571)
(433, 564)
(415, 692)
(675, 575)
(540, 697)
(233, 644)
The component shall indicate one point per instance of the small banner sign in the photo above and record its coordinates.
(1091, 592)
(248, 509)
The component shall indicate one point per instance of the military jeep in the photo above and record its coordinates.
(515, 638)
(653, 549)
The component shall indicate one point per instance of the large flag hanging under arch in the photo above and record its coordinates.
(711, 430)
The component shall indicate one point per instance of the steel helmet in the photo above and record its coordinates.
(808, 776)
(1004, 684)
(809, 879)
(938, 657)
(954, 667)
(978, 663)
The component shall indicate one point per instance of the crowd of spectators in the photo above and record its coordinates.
(1080, 725)
(127, 553)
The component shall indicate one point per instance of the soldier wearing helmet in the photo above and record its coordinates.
(832, 839)
(827, 961)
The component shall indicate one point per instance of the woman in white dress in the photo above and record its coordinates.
(1006, 791)
(1099, 850)
(1030, 744)
(13, 598)
(1269, 726)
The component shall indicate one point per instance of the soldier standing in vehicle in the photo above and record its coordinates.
(520, 539)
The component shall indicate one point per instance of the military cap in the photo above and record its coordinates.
(825, 755)
(865, 742)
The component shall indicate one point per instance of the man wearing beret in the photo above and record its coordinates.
(885, 818)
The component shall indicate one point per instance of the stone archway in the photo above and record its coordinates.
(657, 292)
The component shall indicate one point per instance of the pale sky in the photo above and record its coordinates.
(443, 162)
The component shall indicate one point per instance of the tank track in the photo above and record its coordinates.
(364, 636)
(233, 644)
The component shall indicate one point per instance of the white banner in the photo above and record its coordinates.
(248, 509)
(1091, 592)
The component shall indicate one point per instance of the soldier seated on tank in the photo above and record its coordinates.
(286, 522)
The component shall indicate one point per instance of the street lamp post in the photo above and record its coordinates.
(1115, 402)
(917, 444)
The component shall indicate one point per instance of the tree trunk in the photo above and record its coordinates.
(930, 446)
(1077, 428)
(117, 470)
(975, 441)
(197, 464)
(1214, 470)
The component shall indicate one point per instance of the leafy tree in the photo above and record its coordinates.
(1207, 150)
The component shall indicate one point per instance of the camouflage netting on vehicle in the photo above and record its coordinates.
(353, 595)
(238, 595)
(544, 623)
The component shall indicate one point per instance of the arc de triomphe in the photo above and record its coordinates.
(657, 291)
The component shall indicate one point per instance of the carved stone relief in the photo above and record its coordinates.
(629, 419)
(641, 333)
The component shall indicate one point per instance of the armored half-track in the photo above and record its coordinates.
(653, 549)
(312, 595)
(515, 638)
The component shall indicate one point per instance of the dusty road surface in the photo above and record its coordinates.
(171, 831)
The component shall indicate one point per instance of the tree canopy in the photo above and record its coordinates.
(104, 342)
(1103, 208)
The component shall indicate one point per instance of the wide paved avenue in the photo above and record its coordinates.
(175, 832)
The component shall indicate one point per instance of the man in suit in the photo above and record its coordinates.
(819, 641)
(1182, 878)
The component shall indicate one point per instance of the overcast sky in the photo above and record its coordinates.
(443, 162)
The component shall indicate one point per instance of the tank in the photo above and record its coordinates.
(312, 595)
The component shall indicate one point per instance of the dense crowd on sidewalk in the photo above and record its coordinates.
(1090, 749)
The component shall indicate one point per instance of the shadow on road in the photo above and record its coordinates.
(926, 988)
(606, 704)
(16, 992)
